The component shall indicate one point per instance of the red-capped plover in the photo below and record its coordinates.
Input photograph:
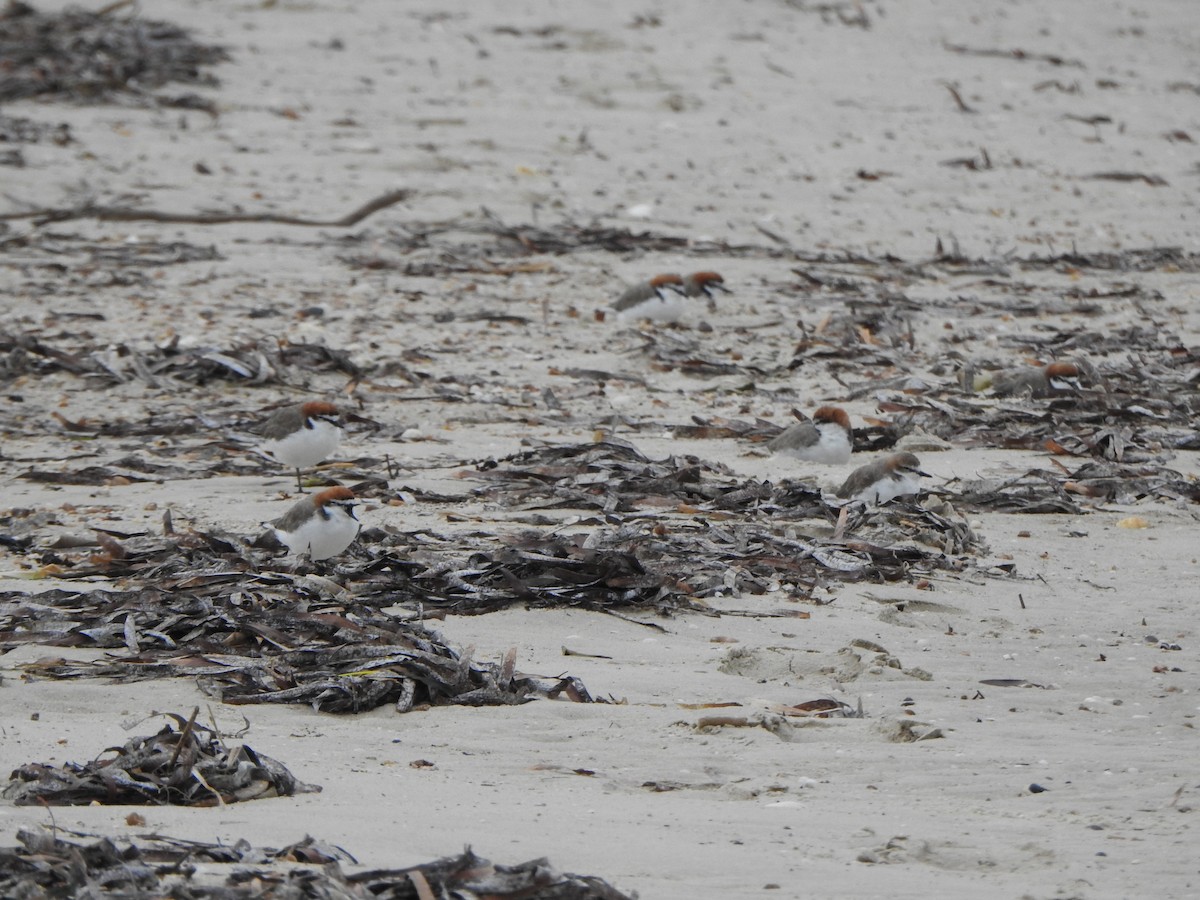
(704, 284)
(661, 299)
(825, 439)
(1056, 378)
(898, 475)
(302, 435)
(322, 525)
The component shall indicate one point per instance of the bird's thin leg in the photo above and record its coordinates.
(299, 483)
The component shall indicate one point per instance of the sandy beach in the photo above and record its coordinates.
(891, 193)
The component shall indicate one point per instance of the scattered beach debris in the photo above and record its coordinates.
(185, 765)
(249, 645)
(47, 864)
(259, 362)
(100, 57)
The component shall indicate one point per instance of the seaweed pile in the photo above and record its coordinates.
(99, 57)
(248, 644)
(45, 864)
(191, 766)
(262, 362)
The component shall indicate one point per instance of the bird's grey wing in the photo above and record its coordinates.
(802, 434)
(634, 295)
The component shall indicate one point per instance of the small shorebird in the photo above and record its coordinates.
(322, 525)
(876, 483)
(661, 299)
(1056, 378)
(704, 284)
(824, 439)
(302, 435)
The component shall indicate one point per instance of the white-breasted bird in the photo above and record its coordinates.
(826, 438)
(898, 475)
(301, 435)
(321, 526)
(704, 284)
(1039, 382)
(660, 299)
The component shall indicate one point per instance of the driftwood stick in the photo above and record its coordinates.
(126, 214)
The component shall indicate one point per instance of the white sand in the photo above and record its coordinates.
(725, 118)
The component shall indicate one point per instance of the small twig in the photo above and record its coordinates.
(200, 778)
(184, 734)
(421, 884)
(633, 621)
(772, 235)
(125, 214)
(962, 104)
(113, 7)
(1175, 797)
(843, 515)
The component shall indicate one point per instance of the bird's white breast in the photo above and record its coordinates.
(667, 306)
(322, 536)
(306, 447)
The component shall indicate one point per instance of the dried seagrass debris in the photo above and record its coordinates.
(670, 565)
(20, 130)
(1150, 259)
(1118, 483)
(77, 260)
(690, 355)
(931, 523)
(472, 245)
(127, 470)
(260, 362)
(248, 644)
(358, 678)
(191, 766)
(870, 332)
(1053, 491)
(1129, 418)
(46, 864)
(1036, 491)
(96, 57)
(716, 427)
(610, 475)
(615, 477)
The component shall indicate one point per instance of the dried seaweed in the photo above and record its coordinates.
(481, 243)
(153, 866)
(87, 208)
(673, 534)
(613, 476)
(664, 568)
(1130, 414)
(680, 530)
(870, 331)
(20, 130)
(673, 351)
(260, 362)
(94, 57)
(1031, 493)
(258, 638)
(1054, 491)
(191, 766)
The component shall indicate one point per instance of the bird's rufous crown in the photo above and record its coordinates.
(332, 495)
(318, 408)
(832, 414)
(1062, 370)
